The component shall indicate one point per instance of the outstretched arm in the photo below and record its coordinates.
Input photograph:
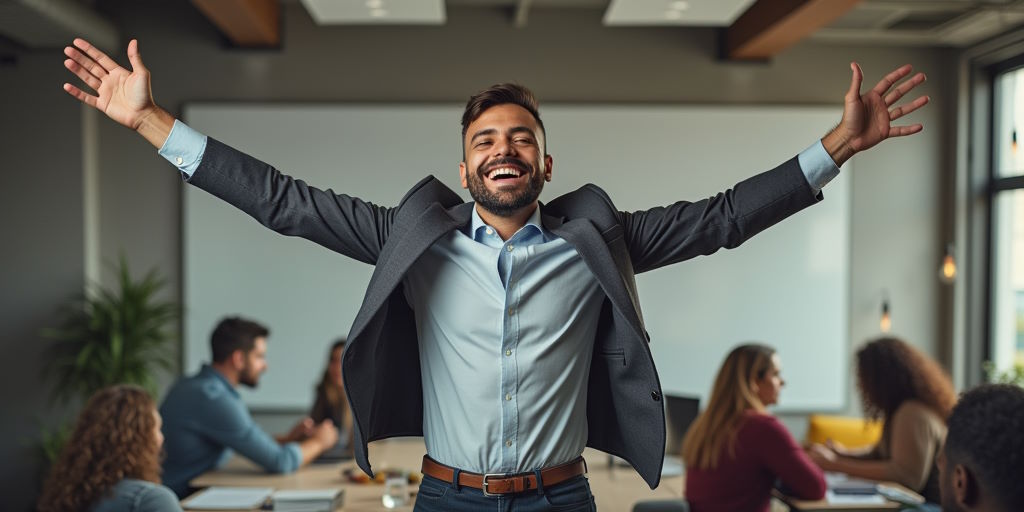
(124, 96)
(867, 118)
(339, 222)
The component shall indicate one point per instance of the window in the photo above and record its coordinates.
(1007, 236)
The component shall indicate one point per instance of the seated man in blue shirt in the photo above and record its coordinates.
(205, 419)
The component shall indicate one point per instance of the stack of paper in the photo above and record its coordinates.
(314, 500)
(228, 498)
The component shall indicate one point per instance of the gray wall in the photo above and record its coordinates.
(41, 260)
(563, 55)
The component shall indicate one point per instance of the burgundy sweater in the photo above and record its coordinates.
(765, 452)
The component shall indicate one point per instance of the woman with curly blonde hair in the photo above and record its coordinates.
(914, 397)
(111, 463)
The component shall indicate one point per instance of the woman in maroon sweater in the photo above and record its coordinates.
(736, 451)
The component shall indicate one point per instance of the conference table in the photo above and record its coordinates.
(615, 487)
(823, 505)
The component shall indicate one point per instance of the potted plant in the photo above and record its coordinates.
(1014, 375)
(109, 336)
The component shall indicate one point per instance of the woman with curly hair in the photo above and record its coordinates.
(736, 450)
(914, 397)
(111, 463)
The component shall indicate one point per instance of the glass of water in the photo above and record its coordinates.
(396, 492)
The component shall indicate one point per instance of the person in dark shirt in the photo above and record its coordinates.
(982, 461)
(331, 402)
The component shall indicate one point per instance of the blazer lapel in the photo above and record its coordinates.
(431, 225)
(591, 246)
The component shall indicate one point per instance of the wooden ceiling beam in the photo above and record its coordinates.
(770, 26)
(247, 23)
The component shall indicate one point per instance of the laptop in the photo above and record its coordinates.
(337, 453)
(680, 411)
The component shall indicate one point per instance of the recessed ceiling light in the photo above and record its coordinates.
(679, 5)
(673, 15)
(374, 4)
(378, 13)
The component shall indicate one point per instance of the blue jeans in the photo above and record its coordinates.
(572, 495)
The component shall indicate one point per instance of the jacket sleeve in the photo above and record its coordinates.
(683, 230)
(289, 206)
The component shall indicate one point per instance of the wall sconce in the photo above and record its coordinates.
(885, 323)
(947, 270)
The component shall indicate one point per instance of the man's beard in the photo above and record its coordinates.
(248, 378)
(500, 203)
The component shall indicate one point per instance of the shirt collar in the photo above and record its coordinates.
(479, 229)
(211, 373)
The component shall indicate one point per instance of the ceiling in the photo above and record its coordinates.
(953, 23)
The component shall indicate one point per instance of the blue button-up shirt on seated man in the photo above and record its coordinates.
(205, 419)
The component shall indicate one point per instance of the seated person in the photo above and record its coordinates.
(912, 396)
(331, 402)
(982, 463)
(205, 419)
(111, 462)
(736, 450)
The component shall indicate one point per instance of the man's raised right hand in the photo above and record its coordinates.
(124, 96)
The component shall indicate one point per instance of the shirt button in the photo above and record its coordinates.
(508, 396)
(508, 352)
(509, 247)
(508, 443)
(511, 311)
(179, 160)
(489, 231)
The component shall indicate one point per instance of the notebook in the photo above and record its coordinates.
(310, 500)
(228, 498)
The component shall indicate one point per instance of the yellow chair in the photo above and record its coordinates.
(851, 432)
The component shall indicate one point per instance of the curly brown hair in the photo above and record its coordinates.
(114, 439)
(890, 371)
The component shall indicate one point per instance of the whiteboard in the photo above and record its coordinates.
(787, 287)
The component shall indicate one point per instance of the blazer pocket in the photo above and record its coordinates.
(614, 355)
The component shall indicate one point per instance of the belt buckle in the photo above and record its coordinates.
(484, 487)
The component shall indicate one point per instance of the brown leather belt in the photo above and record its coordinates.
(493, 484)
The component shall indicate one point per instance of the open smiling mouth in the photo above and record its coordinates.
(504, 173)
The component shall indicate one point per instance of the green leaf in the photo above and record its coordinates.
(120, 334)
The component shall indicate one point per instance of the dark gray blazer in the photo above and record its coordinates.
(381, 362)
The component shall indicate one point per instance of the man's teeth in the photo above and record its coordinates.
(504, 172)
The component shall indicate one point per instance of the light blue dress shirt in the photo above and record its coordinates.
(506, 331)
(204, 420)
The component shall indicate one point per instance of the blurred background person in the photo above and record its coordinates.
(982, 461)
(736, 450)
(111, 462)
(331, 402)
(913, 396)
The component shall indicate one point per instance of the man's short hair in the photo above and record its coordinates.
(235, 333)
(500, 94)
(986, 434)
